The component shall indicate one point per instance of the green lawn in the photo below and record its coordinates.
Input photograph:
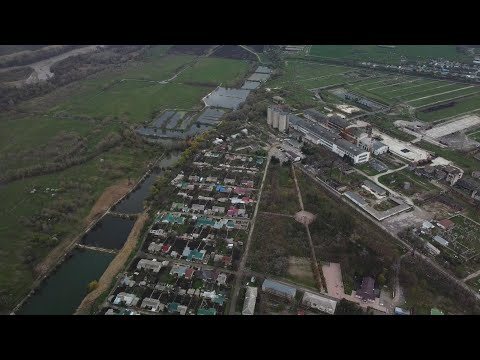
(279, 193)
(432, 90)
(470, 103)
(138, 101)
(213, 71)
(387, 55)
(444, 97)
(396, 182)
(475, 136)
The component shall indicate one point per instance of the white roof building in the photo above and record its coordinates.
(319, 302)
(250, 300)
(440, 240)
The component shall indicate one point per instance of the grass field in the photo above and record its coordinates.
(466, 90)
(279, 194)
(138, 101)
(388, 55)
(213, 71)
(274, 240)
(412, 90)
(418, 184)
(475, 136)
(466, 104)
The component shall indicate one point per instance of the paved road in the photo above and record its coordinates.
(405, 245)
(241, 267)
(253, 52)
(471, 276)
(375, 180)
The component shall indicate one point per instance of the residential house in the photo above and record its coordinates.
(126, 298)
(367, 290)
(146, 264)
(221, 279)
(151, 304)
(446, 224)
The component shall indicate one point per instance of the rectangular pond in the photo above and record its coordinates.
(109, 233)
(64, 290)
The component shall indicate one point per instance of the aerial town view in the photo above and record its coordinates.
(240, 180)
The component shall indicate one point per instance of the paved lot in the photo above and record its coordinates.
(333, 278)
(459, 124)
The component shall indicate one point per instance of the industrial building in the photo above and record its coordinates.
(320, 135)
(318, 302)
(278, 289)
(277, 118)
(250, 300)
(375, 146)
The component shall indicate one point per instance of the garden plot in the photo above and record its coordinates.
(250, 85)
(464, 238)
(210, 116)
(162, 119)
(259, 77)
(173, 121)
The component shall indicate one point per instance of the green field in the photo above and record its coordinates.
(388, 55)
(215, 71)
(444, 97)
(279, 194)
(138, 101)
(408, 89)
(418, 184)
(299, 72)
(432, 90)
(461, 106)
(475, 136)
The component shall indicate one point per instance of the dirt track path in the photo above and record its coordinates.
(115, 266)
(316, 268)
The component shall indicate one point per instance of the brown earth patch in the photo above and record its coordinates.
(114, 268)
(304, 217)
(109, 197)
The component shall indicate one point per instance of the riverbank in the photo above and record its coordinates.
(110, 196)
(115, 266)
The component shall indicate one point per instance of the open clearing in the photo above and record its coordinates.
(300, 270)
